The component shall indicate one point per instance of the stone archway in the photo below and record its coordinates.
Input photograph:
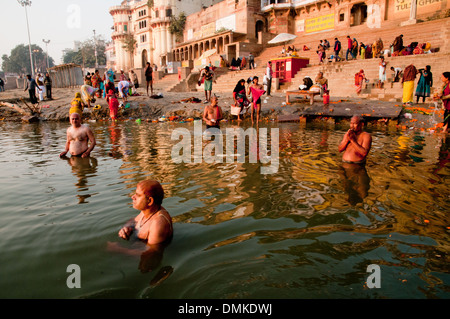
(220, 45)
(259, 29)
(144, 58)
(195, 53)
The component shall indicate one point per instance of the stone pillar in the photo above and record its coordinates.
(157, 51)
(168, 40)
(412, 14)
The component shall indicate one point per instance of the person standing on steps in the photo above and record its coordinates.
(208, 77)
(349, 48)
(409, 76)
(382, 73)
(425, 83)
(251, 61)
(337, 49)
(149, 77)
(269, 77)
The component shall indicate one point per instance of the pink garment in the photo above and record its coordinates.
(256, 94)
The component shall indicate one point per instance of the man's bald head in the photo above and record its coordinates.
(356, 123)
(75, 119)
(75, 115)
(357, 118)
(152, 188)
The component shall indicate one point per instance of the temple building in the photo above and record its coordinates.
(141, 31)
(233, 28)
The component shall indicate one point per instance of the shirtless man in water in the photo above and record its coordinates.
(153, 224)
(212, 114)
(356, 143)
(78, 137)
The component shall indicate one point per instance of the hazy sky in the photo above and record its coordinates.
(60, 21)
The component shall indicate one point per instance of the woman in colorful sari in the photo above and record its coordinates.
(96, 79)
(360, 79)
(87, 94)
(113, 104)
(362, 51)
(108, 82)
(77, 105)
(240, 97)
(444, 95)
(110, 75)
(425, 83)
(380, 46)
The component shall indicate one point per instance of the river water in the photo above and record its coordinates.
(309, 230)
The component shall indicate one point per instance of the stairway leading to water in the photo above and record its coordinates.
(341, 74)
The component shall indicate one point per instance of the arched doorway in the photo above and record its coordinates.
(358, 14)
(259, 29)
(220, 45)
(144, 58)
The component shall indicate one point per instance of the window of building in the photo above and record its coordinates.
(156, 14)
(341, 17)
(125, 28)
(142, 24)
(168, 13)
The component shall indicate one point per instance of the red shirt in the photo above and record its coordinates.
(350, 43)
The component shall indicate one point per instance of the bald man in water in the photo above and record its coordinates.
(78, 138)
(153, 225)
(356, 143)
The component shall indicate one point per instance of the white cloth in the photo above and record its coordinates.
(269, 72)
(382, 73)
(123, 85)
(41, 92)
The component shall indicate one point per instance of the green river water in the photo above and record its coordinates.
(309, 230)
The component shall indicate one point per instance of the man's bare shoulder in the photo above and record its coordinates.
(366, 136)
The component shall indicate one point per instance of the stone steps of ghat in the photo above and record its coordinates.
(341, 74)
(435, 32)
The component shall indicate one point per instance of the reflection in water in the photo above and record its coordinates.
(309, 230)
(444, 156)
(115, 132)
(82, 168)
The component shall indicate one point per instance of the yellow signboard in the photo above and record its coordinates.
(405, 5)
(321, 23)
(208, 29)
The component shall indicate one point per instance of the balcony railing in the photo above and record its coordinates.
(280, 4)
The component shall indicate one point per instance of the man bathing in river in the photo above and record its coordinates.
(212, 114)
(78, 138)
(153, 224)
(356, 143)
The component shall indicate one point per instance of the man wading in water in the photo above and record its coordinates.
(153, 224)
(356, 143)
(78, 137)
